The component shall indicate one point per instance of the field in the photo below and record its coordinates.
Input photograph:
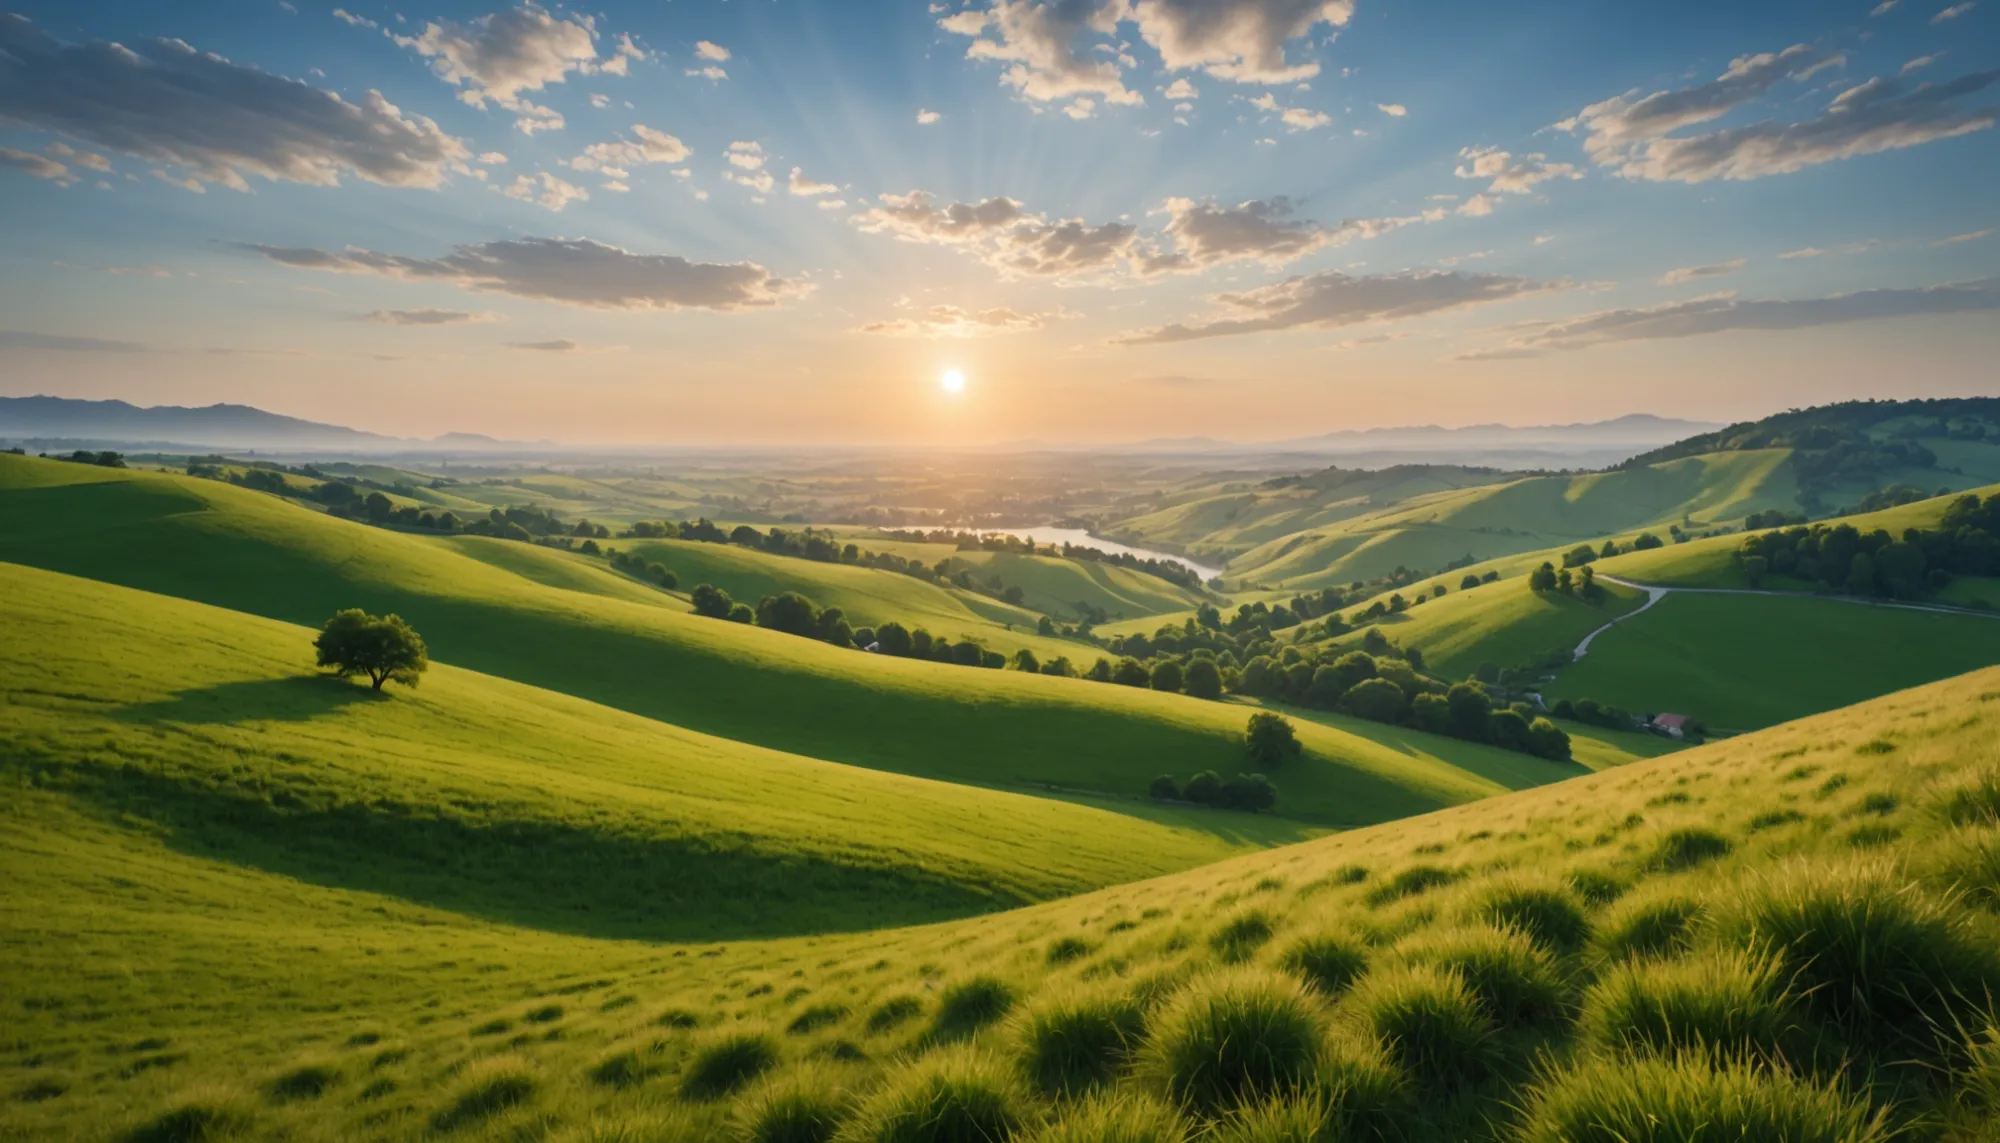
(1565, 950)
(253, 553)
(1744, 661)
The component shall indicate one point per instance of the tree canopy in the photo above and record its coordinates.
(383, 647)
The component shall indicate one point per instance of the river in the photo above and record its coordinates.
(1082, 539)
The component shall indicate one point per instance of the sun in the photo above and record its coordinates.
(953, 381)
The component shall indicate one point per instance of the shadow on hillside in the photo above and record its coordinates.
(488, 862)
(294, 698)
(1508, 768)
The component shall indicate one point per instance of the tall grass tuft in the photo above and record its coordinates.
(1299, 1118)
(1409, 882)
(205, 1118)
(954, 1096)
(1241, 936)
(1119, 1119)
(970, 1005)
(653, 1125)
(892, 1012)
(1726, 1003)
(1685, 1100)
(490, 1087)
(1550, 915)
(1328, 962)
(805, 1105)
(1687, 848)
(1656, 921)
(1070, 1042)
(308, 1082)
(1901, 975)
(1428, 1022)
(1975, 802)
(726, 1063)
(1367, 1096)
(1233, 1037)
(1516, 984)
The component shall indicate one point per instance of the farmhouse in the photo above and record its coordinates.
(1671, 725)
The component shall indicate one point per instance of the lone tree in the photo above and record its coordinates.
(383, 647)
(1270, 740)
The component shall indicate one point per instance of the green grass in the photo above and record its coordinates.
(1740, 661)
(1501, 623)
(1055, 585)
(254, 553)
(502, 801)
(147, 976)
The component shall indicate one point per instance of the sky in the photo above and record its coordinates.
(784, 221)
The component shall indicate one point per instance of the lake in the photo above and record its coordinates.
(1082, 539)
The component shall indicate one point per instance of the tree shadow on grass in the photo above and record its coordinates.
(497, 864)
(294, 698)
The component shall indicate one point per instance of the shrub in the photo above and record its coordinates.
(1727, 1003)
(1898, 973)
(1072, 1042)
(1241, 936)
(1409, 882)
(1685, 1100)
(1269, 740)
(948, 1097)
(1326, 961)
(1232, 1037)
(1656, 921)
(203, 1119)
(1550, 916)
(1514, 982)
(970, 1005)
(1116, 1120)
(805, 1105)
(1428, 1022)
(816, 1017)
(727, 1063)
(1687, 848)
(491, 1087)
(893, 1011)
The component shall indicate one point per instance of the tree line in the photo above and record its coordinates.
(1843, 559)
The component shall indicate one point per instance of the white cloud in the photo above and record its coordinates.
(1953, 12)
(804, 187)
(1182, 89)
(1393, 110)
(1476, 206)
(570, 271)
(1633, 137)
(168, 104)
(545, 189)
(429, 316)
(957, 322)
(1844, 248)
(1330, 299)
(1544, 239)
(709, 72)
(1506, 173)
(496, 58)
(1080, 109)
(1264, 230)
(492, 158)
(21, 339)
(832, 203)
(1972, 236)
(1047, 47)
(927, 117)
(1723, 313)
(708, 51)
(40, 166)
(1239, 40)
(88, 160)
(344, 15)
(1688, 274)
(1884, 8)
(1920, 63)
(615, 158)
(616, 187)
(1294, 118)
(748, 156)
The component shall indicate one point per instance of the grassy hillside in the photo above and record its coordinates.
(1745, 661)
(515, 804)
(1524, 515)
(245, 551)
(1055, 586)
(867, 596)
(1501, 623)
(1779, 937)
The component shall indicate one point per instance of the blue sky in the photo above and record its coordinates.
(1247, 218)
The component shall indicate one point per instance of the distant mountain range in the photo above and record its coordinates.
(52, 422)
(62, 420)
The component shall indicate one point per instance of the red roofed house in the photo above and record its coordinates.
(1673, 725)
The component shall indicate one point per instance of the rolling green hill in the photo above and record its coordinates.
(515, 804)
(249, 552)
(1819, 897)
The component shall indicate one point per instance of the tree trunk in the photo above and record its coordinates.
(378, 680)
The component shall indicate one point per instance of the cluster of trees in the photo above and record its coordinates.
(1594, 713)
(1894, 496)
(1580, 582)
(1251, 792)
(1842, 558)
(85, 456)
(794, 614)
(1172, 571)
(1772, 518)
(650, 571)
